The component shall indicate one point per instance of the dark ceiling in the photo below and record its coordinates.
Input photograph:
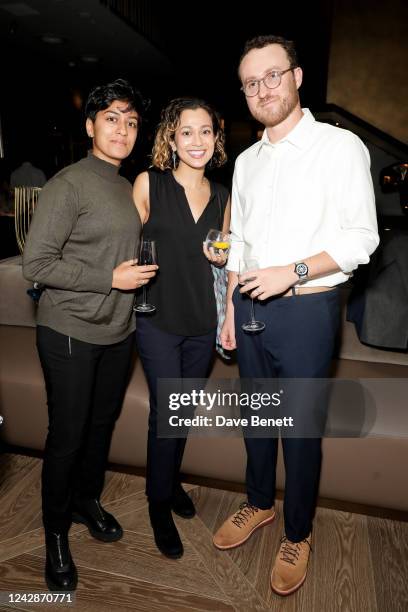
(166, 48)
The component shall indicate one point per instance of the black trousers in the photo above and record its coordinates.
(298, 342)
(165, 355)
(85, 388)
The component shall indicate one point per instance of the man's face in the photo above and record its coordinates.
(271, 106)
(114, 132)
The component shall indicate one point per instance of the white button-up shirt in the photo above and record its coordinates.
(310, 192)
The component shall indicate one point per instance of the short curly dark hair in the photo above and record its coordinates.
(169, 122)
(259, 42)
(102, 96)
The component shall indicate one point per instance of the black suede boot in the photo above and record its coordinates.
(60, 571)
(165, 531)
(102, 525)
(181, 503)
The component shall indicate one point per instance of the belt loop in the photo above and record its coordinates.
(293, 290)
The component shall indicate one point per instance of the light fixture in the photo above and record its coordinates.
(90, 59)
(51, 39)
(77, 99)
(19, 9)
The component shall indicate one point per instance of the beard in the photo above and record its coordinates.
(282, 107)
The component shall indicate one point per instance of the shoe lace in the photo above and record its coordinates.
(290, 550)
(245, 512)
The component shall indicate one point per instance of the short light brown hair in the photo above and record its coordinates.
(169, 122)
(259, 42)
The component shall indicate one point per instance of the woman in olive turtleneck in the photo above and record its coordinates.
(81, 246)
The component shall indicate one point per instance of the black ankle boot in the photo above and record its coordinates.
(60, 571)
(165, 532)
(181, 503)
(102, 525)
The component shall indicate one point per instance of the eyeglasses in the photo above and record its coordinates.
(270, 80)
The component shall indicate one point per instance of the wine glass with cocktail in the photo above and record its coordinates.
(218, 241)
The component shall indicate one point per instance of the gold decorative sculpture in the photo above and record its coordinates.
(25, 200)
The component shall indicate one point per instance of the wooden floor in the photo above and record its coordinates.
(359, 563)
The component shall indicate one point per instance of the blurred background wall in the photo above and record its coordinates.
(368, 62)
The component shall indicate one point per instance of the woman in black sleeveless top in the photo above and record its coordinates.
(178, 206)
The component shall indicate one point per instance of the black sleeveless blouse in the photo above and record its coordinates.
(183, 289)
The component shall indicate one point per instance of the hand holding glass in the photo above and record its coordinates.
(147, 257)
(250, 265)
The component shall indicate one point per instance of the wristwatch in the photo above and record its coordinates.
(302, 270)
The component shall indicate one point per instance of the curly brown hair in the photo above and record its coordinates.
(169, 122)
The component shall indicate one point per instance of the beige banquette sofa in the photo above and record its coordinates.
(368, 470)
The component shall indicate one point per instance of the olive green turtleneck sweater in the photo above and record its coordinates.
(85, 224)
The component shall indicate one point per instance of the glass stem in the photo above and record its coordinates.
(144, 295)
(252, 311)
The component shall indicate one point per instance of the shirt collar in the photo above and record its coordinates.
(299, 136)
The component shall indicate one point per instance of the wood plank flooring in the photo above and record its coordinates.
(358, 564)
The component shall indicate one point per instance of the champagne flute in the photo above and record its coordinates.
(219, 241)
(250, 265)
(147, 257)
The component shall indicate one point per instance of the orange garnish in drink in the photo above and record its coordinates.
(221, 245)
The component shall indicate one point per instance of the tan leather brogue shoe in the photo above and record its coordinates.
(289, 571)
(240, 526)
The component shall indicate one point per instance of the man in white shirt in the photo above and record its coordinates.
(303, 206)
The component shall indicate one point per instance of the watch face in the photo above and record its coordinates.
(302, 269)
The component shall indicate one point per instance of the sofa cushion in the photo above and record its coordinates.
(16, 307)
(365, 470)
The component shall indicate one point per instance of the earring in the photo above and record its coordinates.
(174, 157)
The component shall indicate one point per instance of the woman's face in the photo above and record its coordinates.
(194, 138)
(114, 132)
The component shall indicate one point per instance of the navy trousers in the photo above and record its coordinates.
(166, 355)
(298, 342)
